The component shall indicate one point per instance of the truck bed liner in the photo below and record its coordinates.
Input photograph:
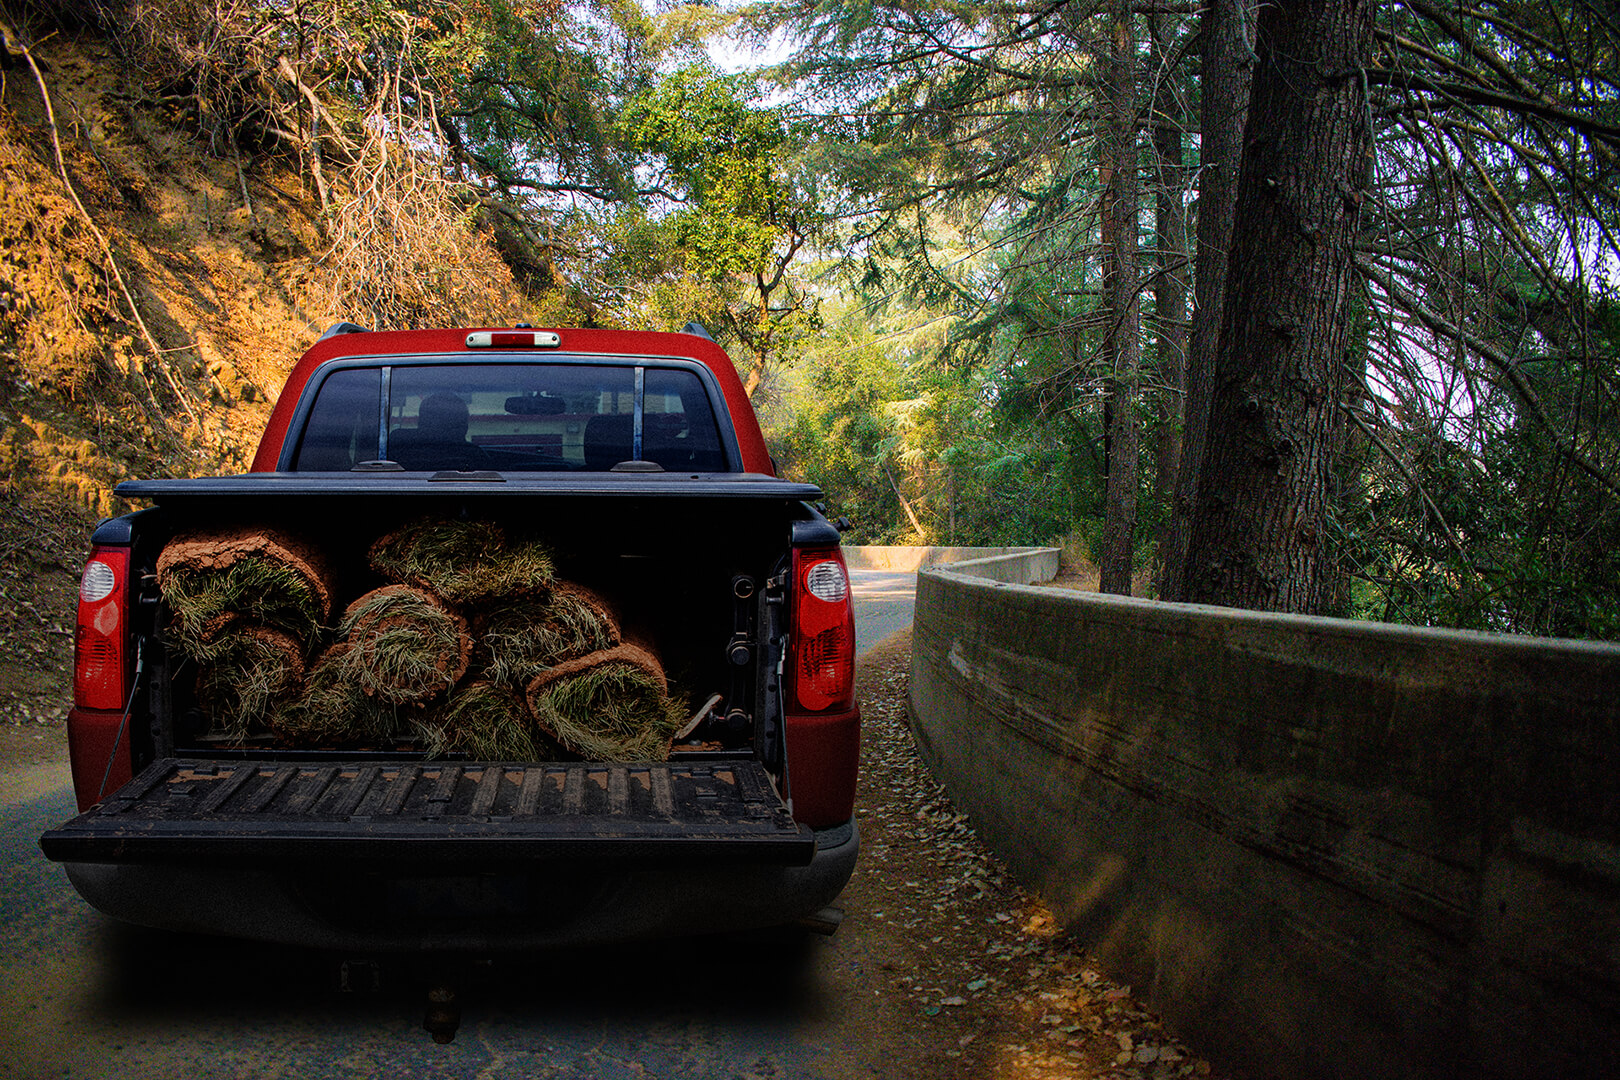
(437, 812)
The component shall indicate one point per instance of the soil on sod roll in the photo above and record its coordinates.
(463, 562)
(262, 575)
(404, 646)
(254, 670)
(612, 705)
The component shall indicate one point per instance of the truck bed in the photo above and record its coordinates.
(439, 813)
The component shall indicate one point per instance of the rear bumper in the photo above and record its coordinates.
(398, 907)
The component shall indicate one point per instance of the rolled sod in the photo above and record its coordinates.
(404, 646)
(486, 722)
(265, 576)
(463, 562)
(523, 638)
(254, 670)
(332, 710)
(611, 705)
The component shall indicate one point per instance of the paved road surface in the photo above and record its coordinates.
(883, 601)
(81, 996)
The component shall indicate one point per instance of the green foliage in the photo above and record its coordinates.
(718, 239)
(1492, 524)
(913, 450)
(535, 82)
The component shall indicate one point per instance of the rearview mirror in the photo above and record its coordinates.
(535, 404)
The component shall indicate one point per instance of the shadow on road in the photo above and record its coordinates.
(151, 974)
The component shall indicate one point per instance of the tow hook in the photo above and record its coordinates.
(825, 922)
(443, 1014)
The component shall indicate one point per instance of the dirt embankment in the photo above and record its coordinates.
(105, 191)
(110, 199)
(156, 285)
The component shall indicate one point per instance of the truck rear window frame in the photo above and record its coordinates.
(385, 364)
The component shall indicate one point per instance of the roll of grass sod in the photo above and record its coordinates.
(405, 647)
(612, 705)
(332, 711)
(523, 638)
(485, 722)
(463, 562)
(254, 670)
(261, 575)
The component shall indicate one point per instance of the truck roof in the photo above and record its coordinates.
(448, 343)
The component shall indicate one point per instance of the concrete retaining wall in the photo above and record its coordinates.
(1321, 848)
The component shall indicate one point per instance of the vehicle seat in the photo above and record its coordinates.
(608, 440)
(439, 440)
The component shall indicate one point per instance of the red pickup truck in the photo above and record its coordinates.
(636, 459)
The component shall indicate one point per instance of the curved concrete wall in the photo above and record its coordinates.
(1321, 848)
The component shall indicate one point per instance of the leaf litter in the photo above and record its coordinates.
(976, 952)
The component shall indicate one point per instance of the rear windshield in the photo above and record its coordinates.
(511, 418)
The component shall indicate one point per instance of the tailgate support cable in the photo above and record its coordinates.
(123, 722)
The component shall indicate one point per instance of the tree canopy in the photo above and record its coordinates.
(1011, 272)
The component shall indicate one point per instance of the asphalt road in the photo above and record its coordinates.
(883, 601)
(81, 996)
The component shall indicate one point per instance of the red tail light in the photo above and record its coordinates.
(100, 666)
(823, 659)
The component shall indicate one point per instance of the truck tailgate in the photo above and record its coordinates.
(452, 813)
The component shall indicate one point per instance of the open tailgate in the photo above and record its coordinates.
(429, 813)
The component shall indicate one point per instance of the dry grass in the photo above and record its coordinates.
(404, 646)
(463, 562)
(332, 710)
(254, 669)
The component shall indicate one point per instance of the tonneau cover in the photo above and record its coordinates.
(493, 484)
(437, 813)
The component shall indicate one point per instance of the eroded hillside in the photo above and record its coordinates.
(155, 287)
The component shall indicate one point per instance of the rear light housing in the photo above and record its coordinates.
(100, 653)
(822, 661)
(514, 339)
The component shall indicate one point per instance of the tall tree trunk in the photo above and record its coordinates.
(1121, 201)
(1168, 118)
(1228, 68)
(1257, 538)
